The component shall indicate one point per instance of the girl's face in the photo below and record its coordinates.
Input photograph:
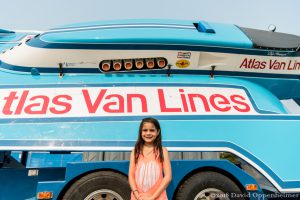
(149, 132)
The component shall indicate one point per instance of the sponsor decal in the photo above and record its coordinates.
(120, 101)
(184, 55)
(182, 63)
(271, 64)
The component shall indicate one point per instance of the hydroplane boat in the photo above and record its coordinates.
(157, 46)
(85, 87)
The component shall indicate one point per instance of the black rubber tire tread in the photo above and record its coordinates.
(203, 180)
(98, 180)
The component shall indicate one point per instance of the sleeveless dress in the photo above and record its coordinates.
(148, 176)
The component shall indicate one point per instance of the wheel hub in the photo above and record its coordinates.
(212, 194)
(104, 194)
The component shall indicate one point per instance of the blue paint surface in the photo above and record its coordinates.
(13, 37)
(261, 135)
(6, 46)
(147, 31)
(17, 185)
(266, 138)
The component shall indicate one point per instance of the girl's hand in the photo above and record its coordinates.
(146, 197)
(138, 197)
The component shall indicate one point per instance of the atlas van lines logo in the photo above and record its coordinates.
(120, 101)
(271, 64)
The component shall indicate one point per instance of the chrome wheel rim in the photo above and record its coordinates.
(104, 194)
(212, 194)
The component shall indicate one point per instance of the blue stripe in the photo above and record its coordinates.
(284, 185)
(129, 21)
(36, 42)
(126, 85)
(160, 117)
(120, 143)
(55, 69)
(136, 25)
(133, 26)
(67, 143)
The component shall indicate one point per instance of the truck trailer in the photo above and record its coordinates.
(72, 98)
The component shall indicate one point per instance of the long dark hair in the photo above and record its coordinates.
(138, 148)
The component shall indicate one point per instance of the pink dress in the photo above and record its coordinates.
(148, 176)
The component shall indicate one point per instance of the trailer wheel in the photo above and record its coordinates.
(100, 185)
(209, 186)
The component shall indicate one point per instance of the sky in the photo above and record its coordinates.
(46, 14)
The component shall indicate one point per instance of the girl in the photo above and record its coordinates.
(150, 169)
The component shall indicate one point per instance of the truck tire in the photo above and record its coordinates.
(100, 185)
(209, 185)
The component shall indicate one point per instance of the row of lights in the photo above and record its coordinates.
(132, 64)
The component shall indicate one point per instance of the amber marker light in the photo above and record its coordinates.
(117, 65)
(161, 62)
(139, 63)
(105, 66)
(128, 64)
(251, 187)
(45, 195)
(150, 63)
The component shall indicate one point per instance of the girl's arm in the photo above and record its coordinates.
(167, 174)
(131, 176)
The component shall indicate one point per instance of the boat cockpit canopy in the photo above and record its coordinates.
(272, 40)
